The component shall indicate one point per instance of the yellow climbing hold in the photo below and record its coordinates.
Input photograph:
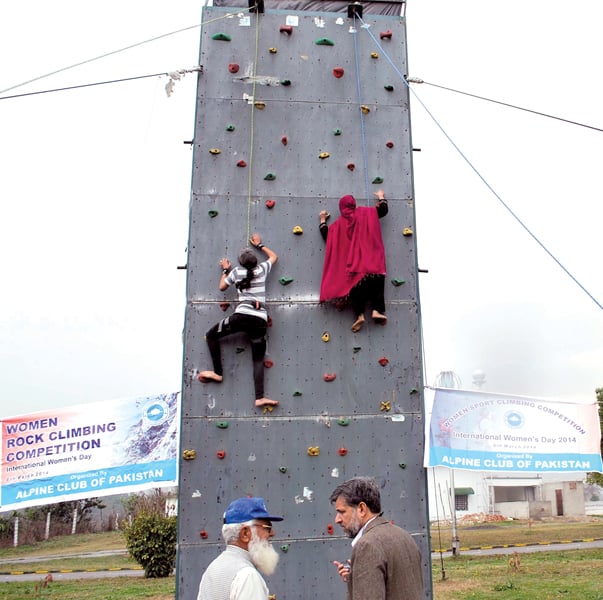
(386, 406)
(260, 105)
(325, 336)
(365, 109)
(189, 454)
(324, 155)
(313, 451)
(374, 54)
(407, 231)
(272, 50)
(215, 150)
(297, 230)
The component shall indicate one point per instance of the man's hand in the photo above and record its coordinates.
(225, 263)
(343, 569)
(255, 239)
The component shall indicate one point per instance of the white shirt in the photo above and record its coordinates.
(359, 534)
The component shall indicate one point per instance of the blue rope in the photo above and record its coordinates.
(525, 227)
(362, 130)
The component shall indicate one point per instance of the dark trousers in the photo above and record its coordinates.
(369, 290)
(255, 328)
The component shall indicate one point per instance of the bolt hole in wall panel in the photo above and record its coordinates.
(350, 403)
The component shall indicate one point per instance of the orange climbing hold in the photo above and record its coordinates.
(221, 454)
(329, 376)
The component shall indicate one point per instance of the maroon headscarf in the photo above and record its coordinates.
(354, 250)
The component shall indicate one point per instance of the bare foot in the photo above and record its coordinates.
(358, 323)
(207, 376)
(379, 318)
(266, 402)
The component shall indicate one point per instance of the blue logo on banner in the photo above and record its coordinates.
(514, 419)
(155, 412)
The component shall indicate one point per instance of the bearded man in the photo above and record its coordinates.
(385, 562)
(235, 574)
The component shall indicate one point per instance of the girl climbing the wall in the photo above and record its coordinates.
(250, 316)
(354, 265)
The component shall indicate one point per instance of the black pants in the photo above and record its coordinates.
(369, 290)
(255, 328)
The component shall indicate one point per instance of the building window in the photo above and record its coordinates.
(461, 502)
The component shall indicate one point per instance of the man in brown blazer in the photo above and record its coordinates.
(386, 562)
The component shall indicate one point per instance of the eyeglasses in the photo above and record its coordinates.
(268, 528)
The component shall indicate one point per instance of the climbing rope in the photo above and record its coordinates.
(474, 169)
(362, 128)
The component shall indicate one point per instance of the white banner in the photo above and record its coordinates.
(494, 432)
(96, 449)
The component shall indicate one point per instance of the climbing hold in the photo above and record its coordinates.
(329, 376)
(224, 306)
(221, 454)
(388, 87)
(377, 179)
(269, 321)
(212, 213)
(272, 50)
(323, 155)
(413, 391)
(285, 280)
(215, 150)
(282, 469)
(297, 393)
(325, 336)
(313, 451)
(338, 72)
(189, 454)
(402, 465)
(270, 203)
(288, 29)
(268, 408)
(297, 230)
(356, 349)
(365, 109)
(407, 231)
(260, 105)
(268, 363)
(285, 548)
(230, 127)
(342, 451)
(337, 131)
(385, 35)
(239, 349)
(389, 144)
(223, 37)
(222, 424)
(233, 68)
(324, 42)
(386, 406)
(241, 163)
(384, 361)
(397, 282)
(269, 177)
(343, 421)
(286, 82)
(330, 529)
(284, 140)
(204, 535)
(351, 166)
(374, 54)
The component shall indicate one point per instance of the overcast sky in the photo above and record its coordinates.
(95, 184)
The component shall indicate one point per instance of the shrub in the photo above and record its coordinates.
(151, 542)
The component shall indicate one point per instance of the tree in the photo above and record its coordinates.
(597, 478)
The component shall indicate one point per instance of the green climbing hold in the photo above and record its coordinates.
(337, 131)
(389, 88)
(212, 213)
(223, 37)
(285, 280)
(270, 177)
(343, 421)
(285, 547)
(378, 180)
(285, 82)
(402, 465)
(239, 350)
(356, 349)
(282, 469)
(397, 281)
(230, 127)
(324, 42)
(222, 424)
(413, 391)
(298, 393)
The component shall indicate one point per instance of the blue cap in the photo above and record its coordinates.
(247, 509)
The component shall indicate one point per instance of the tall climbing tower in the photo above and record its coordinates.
(300, 103)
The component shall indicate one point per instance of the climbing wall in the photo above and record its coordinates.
(294, 110)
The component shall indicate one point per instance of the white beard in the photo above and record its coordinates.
(262, 554)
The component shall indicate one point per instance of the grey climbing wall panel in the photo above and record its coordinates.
(269, 103)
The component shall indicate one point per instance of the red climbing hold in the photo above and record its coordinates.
(269, 321)
(288, 29)
(270, 203)
(385, 35)
(284, 140)
(204, 535)
(342, 451)
(389, 144)
(329, 376)
(351, 166)
(330, 529)
(225, 306)
(221, 454)
(268, 363)
(383, 361)
(233, 68)
(338, 72)
(241, 163)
